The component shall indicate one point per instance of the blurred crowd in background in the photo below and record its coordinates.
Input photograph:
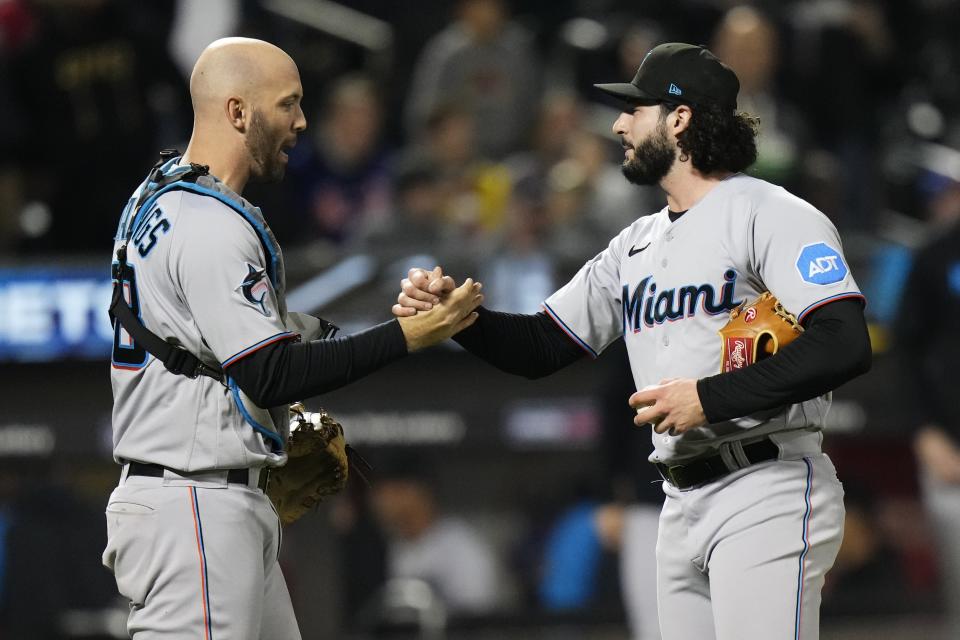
(472, 125)
(466, 133)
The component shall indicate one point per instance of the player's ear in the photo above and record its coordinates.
(680, 119)
(237, 114)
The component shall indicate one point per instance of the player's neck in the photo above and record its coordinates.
(232, 169)
(685, 186)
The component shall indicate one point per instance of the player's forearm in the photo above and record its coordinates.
(289, 371)
(834, 349)
(525, 345)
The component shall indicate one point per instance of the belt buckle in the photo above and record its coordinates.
(666, 472)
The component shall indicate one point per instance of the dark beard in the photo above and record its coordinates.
(266, 165)
(652, 159)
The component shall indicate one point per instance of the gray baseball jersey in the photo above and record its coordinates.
(196, 554)
(208, 276)
(667, 288)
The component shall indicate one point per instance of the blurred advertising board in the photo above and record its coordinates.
(53, 313)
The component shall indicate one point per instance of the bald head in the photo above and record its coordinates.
(243, 68)
(246, 101)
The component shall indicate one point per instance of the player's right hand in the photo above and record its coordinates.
(673, 406)
(420, 290)
(454, 312)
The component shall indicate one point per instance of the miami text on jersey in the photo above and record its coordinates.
(673, 304)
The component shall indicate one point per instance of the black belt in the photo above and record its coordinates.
(702, 470)
(234, 476)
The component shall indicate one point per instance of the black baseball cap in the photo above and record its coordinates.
(679, 73)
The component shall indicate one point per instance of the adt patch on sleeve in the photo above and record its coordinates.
(821, 264)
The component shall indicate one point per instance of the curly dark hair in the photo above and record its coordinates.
(717, 139)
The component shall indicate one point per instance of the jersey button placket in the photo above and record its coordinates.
(668, 236)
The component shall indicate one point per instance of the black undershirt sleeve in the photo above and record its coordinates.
(289, 371)
(833, 349)
(532, 346)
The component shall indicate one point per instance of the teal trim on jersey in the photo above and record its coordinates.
(118, 236)
(140, 217)
(124, 217)
(259, 428)
(261, 231)
(140, 214)
(236, 206)
(150, 184)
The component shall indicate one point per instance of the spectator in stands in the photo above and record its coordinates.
(929, 346)
(475, 190)
(518, 267)
(844, 57)
(559, 118)
(340, 181)
(418, 228)
(749, 42)
(570, 174)
(588, 201)
(488, 64)
(423, 543)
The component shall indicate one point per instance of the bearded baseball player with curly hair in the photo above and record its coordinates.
(753, 512)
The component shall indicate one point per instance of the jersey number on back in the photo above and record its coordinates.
(126, 353)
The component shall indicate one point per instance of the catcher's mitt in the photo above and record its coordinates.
(317, 464)
(756, 330)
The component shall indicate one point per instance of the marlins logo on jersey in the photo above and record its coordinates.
(255, 288)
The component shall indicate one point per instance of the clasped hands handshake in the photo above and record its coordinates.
(431, 308)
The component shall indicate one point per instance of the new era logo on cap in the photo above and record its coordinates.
(674, 90)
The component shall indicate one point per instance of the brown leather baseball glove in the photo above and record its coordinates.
(317, 465)
(756, 330)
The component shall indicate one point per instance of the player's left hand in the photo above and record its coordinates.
(671, 406)
(420, 290)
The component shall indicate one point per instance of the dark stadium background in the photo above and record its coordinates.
(860, 109)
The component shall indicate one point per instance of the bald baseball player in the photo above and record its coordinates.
(208, 359)
(753, 512)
